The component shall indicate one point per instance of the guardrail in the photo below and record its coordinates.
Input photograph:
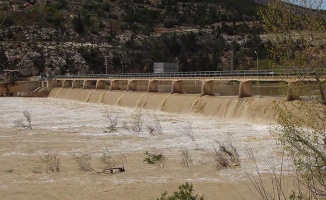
(234, 73)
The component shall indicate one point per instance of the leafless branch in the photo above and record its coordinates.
(188, 131)
(154, 127)
(84, 160)
(186, 157)
(22, 124)
(112, 121)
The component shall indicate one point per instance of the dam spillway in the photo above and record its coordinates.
(253, 109)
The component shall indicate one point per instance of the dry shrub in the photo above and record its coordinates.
(50, 163)
(186, 157)
(225, 156)
(84, 160)
(38, 170)
(107, 159)
(126, 126)
(137, 120)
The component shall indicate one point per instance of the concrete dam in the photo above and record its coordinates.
(253, 109)
(181, 93)
(172, 92)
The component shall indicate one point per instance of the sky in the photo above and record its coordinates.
(320, 4)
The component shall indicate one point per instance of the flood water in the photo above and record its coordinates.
(69, 127)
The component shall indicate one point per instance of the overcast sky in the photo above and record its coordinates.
(319, 4)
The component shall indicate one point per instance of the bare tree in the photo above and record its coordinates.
(112, 121)
(186, 157)
(188, 131)
(135, 123)
(278, 187)
(154, 126)
(22, 124)
(107, 159)
(137, 120)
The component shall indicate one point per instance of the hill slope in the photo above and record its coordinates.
(57, 37)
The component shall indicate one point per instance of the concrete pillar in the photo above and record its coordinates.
(114, 85)
(56, 83)
(207, 88)
(49, 83)
(152, 86)
(100, 84)
(245, 89)
(292, 93)
(66, 83)
(86, 84)
(75, 84)
(176, 87)
(132, 85)
(44, 84)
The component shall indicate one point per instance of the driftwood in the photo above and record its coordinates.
(111, 170)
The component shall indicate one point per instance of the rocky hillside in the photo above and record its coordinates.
(77, 37)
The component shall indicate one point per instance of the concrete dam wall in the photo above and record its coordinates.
(258, 110)
(18, 87)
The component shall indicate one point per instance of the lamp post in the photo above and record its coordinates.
(256, 60)
(232, 58)
(106, 65)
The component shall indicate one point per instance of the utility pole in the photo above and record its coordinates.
(256, 60)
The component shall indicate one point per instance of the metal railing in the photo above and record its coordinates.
(204, 74)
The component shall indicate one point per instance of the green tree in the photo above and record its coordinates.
(106, 6)
(78, 24)
(3, 57)
(61, 4)
(94, 58)
(39, 62)
(298, 34)
(190, 41)
(53, 16)
(212, 15)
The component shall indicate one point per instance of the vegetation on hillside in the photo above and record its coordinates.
(199, 35)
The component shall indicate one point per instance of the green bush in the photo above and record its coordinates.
(153, 158)
(184, 193)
